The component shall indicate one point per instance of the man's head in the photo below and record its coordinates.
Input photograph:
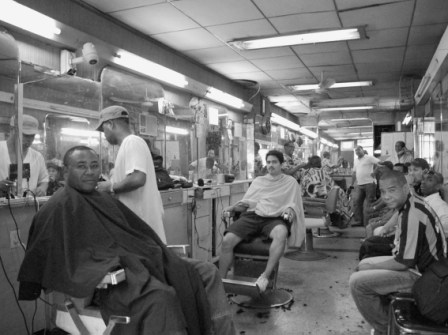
(274, 161)
(383, 167)
(359, 151)
(432, 183)
(315, 162)
(81, 168)
(400, 147)
(289, 148)
(416, 170)
(113, 119)
(394, 189)
(30, 127)
(401, 168)
(54, 169)
(211, 153)
(326, 154)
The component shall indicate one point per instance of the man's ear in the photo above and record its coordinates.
(64, 172)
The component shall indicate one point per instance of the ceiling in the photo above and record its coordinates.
(402, 38)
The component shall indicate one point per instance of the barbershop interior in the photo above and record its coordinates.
(234, 100)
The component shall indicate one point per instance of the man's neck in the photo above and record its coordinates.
(122, 135)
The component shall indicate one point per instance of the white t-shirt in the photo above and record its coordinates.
(364, 169)
(145, 201)
(441, 208)
(38, 169)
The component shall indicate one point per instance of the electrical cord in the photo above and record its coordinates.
(194, 210)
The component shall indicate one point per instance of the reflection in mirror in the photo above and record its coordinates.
(441, 137)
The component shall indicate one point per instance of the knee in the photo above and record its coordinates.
(228, 243)
(279, 233)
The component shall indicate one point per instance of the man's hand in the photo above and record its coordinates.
(5, 185)
(40, 192)
(104, 186)
(289, 214)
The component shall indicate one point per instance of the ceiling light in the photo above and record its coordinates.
(275, 118)
(225, 98)
(336, 85)
(302, 38)
(148, 68)
(28, 19)
(288, 103)
(351, 119)
(175, 130)
(308, 132)
(79, 132)
(347, 108)
(407, 119)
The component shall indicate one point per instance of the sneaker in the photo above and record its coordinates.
(262, 283)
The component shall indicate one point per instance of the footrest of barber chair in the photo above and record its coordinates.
(325, 232)
(306, 252)
(240, 285)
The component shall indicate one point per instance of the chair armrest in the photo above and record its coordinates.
(179, 249)
(112, 278)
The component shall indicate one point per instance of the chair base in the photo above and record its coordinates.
(269, 299)
(305, 255)
(325, 232)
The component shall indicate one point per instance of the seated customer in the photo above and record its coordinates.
(268, 200)
(54, 167)
(82, 234)
(419, 241)
(431, 185)
(415, 174)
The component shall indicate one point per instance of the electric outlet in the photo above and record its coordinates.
(14, 238)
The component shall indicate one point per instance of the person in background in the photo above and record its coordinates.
(291, 165)
(364, 184)
(415, 174)
(403, 154)
(134, 178)
(315, 181)
(258, 162)
(326, 163)
(403, 168)
(38, 181)
(207, 166)
(54, 167)
(419, 241)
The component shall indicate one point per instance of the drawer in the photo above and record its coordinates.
(171, 197)
(216, 192)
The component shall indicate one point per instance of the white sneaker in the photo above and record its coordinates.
(262, 283)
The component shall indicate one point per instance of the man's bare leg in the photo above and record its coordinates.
(226, 257)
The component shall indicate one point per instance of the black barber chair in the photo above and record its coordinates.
(317, 216)
(250, 259)
(404, 318)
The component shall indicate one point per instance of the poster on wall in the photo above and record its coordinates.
(238, 130)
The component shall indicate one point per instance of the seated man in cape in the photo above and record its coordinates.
(81, 234)
(272, 207)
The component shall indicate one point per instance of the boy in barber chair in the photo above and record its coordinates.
(272, 207)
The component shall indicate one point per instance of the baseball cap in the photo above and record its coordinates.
(421, 163)
(30, 125)
(111, 113)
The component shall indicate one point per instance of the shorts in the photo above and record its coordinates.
(251, 225)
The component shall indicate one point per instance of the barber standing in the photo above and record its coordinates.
(134, 180)
(38, 180)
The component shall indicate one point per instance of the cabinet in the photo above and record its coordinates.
(177, 221)
(201, 230)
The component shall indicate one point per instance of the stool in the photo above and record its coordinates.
(404, 318)
(250, 259)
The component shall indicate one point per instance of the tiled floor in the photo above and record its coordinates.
(322, 302)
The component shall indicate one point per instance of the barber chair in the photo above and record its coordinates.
(78, 316)
(250, 259)
(317, 216)
(404, 318)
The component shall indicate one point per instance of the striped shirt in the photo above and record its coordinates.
(419, 238)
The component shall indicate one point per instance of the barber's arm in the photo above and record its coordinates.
(41, 189)
(390, 264)
(131, 182)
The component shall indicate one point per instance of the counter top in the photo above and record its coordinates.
(23, 202)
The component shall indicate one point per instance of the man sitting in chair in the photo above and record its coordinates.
(81, 234)
(272, 207)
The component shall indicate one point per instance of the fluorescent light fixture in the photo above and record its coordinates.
(308, 132)
(148, 68)
(302, 38)
(326, 142)
(225, 98)
(28, 19)
(336, 85)
(351, 119)
(287, 103)
(175, 130)
(79, 132)
(407, 119)
(347, 108)
(275, 118)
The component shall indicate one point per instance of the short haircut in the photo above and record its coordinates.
(397, 176)
(277, 154)
(70, 152)
(288, 144)
(401, 143)
(438, 176)
(388, 164)
(403, 166)
(315, 162)
(326, 154)
(421, 163)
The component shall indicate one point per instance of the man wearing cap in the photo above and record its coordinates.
(134, 180)
(38, 180)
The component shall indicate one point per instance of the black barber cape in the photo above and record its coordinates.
(76, 238)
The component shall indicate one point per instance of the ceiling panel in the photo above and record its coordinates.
(299, 73)
(246, 29)
(278, 63)
(189, 39)
(267, 53)
(352, 4)
(429, 34)
(152, 19)
(386, 16)
(108, 6)
(381, 39)
(234, 67)
(333, 58)
(431, 12)
(321, 47)
(334, 71)
(374, 56)
(214, 12)
(214, 55)
(302, 22)
(258, 76)
(284, 7)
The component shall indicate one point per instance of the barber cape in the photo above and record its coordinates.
(270, 196)
(77, 238)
